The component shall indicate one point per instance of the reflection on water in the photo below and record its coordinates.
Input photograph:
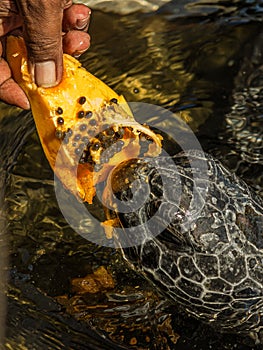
(201, 61)
(171, 64)
(244, 134)
(125, 7)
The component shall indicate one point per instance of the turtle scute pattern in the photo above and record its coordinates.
(209, 254)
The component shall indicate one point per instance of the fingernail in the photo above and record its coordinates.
(26, 105)
(81, 23)
(45, 74)
(78, 53)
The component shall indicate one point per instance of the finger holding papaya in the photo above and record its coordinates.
(49, 27)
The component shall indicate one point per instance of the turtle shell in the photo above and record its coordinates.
(197, 237)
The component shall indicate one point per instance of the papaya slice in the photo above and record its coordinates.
(85, 128)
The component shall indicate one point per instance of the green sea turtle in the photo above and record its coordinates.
(210, 261)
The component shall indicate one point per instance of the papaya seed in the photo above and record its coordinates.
(59, 134)
(77, 137)
(82, 100)
(81, 114)
(114, 100)
(93, 122)
(59, 110)
(88, 114)
(83, 127)
(60, 121)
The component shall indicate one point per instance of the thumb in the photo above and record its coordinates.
(42, 25)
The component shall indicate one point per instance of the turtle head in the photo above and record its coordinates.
(144, 195)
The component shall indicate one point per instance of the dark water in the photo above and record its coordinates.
(201, 60)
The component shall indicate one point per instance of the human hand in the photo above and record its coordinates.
(49, 28)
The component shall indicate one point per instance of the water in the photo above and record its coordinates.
(198, 59)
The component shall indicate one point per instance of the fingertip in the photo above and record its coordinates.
(25, 105)
(76, 17)
(12, 94)
(76, 42)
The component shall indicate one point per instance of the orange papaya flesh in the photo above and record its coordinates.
(85, 128)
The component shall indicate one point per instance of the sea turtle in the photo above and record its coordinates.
(207, 257)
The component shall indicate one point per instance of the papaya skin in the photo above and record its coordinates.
(56, 111)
